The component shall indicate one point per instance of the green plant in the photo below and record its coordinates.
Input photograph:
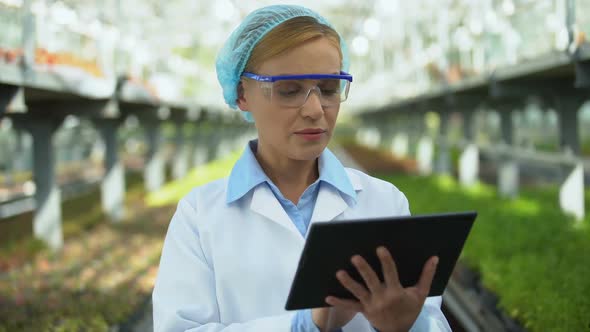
(526, 250)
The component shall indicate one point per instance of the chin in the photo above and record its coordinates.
(310, 152)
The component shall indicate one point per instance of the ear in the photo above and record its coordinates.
(241, 101)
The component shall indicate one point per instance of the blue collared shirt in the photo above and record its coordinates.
(247, 175)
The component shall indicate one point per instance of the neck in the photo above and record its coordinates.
(291, 176)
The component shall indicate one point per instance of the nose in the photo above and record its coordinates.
(312, 107)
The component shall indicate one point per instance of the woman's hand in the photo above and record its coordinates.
(387, 306)
(328, 319)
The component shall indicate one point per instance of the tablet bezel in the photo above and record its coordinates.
(416, 238)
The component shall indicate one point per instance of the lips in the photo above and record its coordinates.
(311, 131)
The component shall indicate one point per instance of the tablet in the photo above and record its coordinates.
(411, 240)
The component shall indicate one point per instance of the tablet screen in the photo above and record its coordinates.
(411, 240)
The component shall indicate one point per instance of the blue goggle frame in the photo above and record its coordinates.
(263, 78)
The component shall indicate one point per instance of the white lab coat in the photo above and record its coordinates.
(230, 267)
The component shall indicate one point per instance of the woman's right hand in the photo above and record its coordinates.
(330, 318)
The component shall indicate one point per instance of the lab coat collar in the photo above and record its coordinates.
(247, 174)
(330, 204)
(332, 172)
(266, 204)
(337, 191)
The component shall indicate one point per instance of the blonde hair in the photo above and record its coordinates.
(288, 35)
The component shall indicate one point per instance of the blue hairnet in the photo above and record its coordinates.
(234, 54)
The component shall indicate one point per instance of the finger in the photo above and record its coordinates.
(389, 269)
(344, 303)
(368, 274)
(427, 275)
(358, 290)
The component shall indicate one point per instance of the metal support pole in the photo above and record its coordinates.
(379, 130)
(469, 160)
(567, 110)
(571, 194)
(222, 137)
(393, 128)
(417, 128)
(376, 134)
(508, 174)
(200, 152)
(113, 183)
(425, 149)
(400, 140)
(180, 159)
(47, 218)
(214, 139)
(154, 163)
(388, 132)
(469, 125)
(443, 160)
(507, 126)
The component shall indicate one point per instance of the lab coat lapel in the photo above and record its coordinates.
(330, 202)
(266, 204)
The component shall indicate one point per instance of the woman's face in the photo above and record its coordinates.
(282, 131)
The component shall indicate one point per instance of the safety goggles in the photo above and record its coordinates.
(293, 90)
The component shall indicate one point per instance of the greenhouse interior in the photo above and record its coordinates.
(113, 121)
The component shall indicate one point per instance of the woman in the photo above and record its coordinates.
(233, 245)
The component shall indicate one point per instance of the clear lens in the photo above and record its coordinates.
(294, 93)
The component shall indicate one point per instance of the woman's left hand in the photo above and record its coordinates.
(388, 306)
